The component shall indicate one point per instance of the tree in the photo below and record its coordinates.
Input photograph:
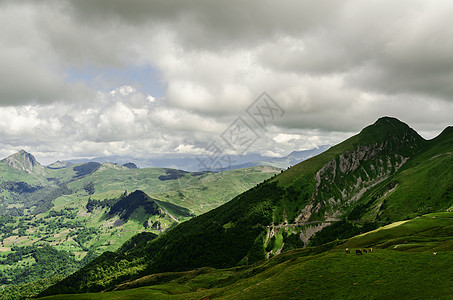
(89, 187)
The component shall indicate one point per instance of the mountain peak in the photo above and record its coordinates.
(130, 165)
(128, 204)
(390, 127)
(445, 135)
(59, 165)
(23, 161)
(448, 131)
(391, 124)
(388, 119)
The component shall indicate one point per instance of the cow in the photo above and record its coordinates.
(364, 251)
(434, 253)
(347, 250)
(371, 250)
(358, 252)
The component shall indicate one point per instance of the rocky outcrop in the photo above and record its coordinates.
(25, 162)
(346, 178)
(309, 231)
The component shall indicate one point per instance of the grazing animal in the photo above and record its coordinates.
(358, 251)
(347, 250)
(364, 251)
(434, 253)
(371, 250)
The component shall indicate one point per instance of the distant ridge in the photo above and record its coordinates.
(446, 133)
(59, 165)
(191, 163)
(130, 165)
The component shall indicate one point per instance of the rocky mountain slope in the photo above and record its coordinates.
(24, 161)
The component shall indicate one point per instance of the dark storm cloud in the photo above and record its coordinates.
(211, 23)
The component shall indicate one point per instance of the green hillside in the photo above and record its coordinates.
(402, 265)
(333, 275)
(367, 181)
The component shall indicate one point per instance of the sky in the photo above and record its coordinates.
(141, 78)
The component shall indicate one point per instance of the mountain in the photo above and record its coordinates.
(22, 166)
(192, 163)
(284, 162)
(29, 188)
(385, 173)
(128, 204)
(296, 157)
(130, 165)
(25, 162)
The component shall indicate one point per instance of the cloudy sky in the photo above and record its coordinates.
(91, 78)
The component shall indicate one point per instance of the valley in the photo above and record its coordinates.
(76, 212)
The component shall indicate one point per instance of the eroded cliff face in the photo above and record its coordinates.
(377, 153)
(345, 179)
(25, 162)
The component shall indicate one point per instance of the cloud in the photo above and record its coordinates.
(121, 122)
(209, 25)
(284, 138)
(333, 66)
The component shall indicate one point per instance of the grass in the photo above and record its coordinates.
(430, 232)
(384, 274)
(278, 242)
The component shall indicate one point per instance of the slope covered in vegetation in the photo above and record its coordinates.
(401, 265)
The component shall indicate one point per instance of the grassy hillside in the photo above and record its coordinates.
(333, 275)
(402, 265)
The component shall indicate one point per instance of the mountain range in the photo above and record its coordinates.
(387, 173)
(192, 162)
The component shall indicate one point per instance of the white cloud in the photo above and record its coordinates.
(284, 138)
